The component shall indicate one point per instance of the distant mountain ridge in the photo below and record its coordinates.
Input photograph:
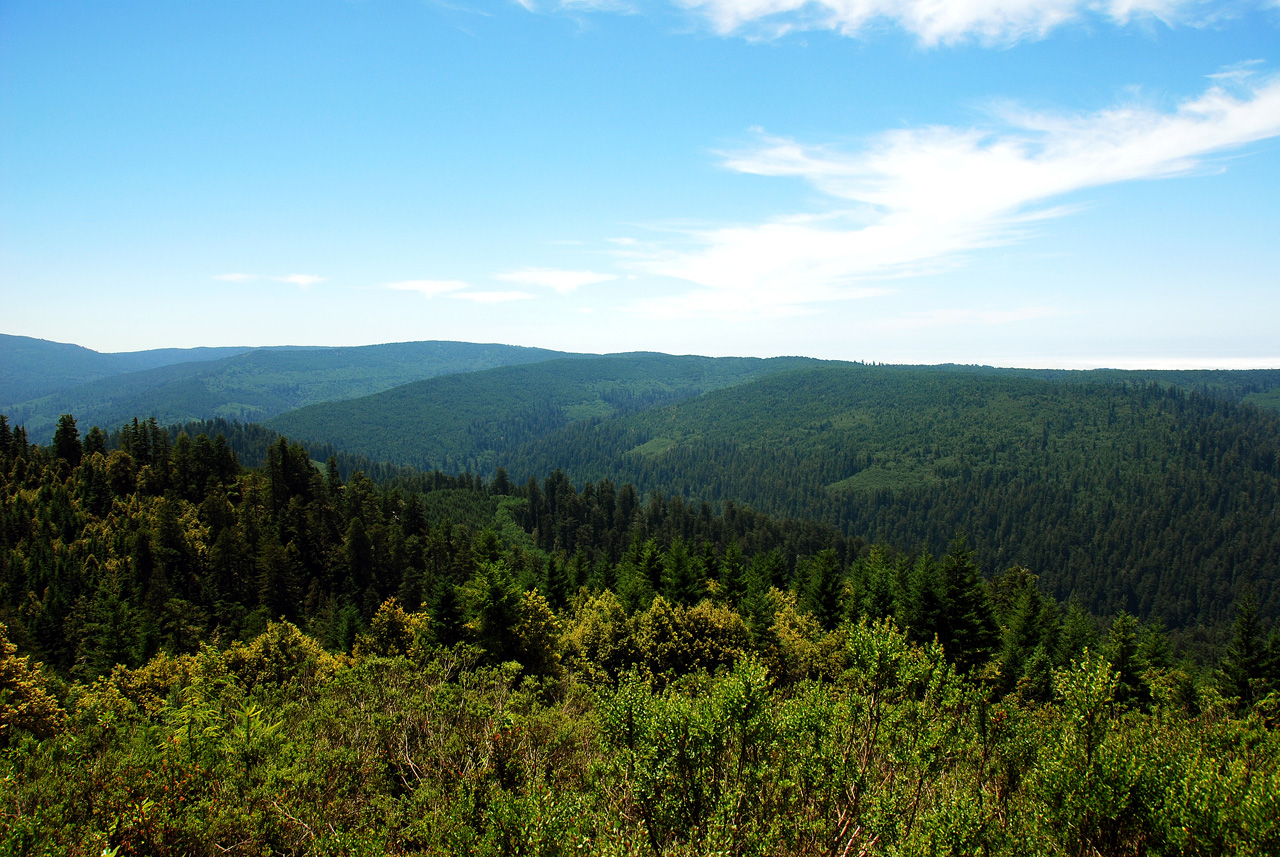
(1149, 492)
(468, 422)
(1124, 496)
(1153, 492)
(251, 385)
(31, 368)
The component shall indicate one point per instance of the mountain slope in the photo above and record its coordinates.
(468, 422)
(1131, 497)
(31, 368)
(262, 383)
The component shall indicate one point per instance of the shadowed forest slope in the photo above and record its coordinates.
(1122, 496)
(261, 383)
(470, 422)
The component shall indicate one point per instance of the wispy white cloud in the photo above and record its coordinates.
(428, 288)
(917, 200)
(559, 280)
(624, 6)
(935, 22)
(491, 297)
(1241, 71)
(456, 289)
(302, 281)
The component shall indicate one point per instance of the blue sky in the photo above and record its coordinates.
(1013, 182)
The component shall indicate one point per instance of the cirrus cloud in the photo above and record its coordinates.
(302, 281)
(456, 289)
(915, 201)
(558, 280)
(428, 288)
(931, 22)
(935, 22)
(492, 297)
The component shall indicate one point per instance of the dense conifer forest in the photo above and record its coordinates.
(200, 656)
(40, 380)
(1153, 493)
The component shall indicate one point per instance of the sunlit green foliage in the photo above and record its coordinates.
(292, 661)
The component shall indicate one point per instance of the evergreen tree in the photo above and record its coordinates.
(733, 575)
(413, 593)
(1023, 632)
(1036, 682)
(95, 442)
(635, 574)
(921, 601)
(1271, 665)
(112, 635)
(1155, 652)
(357, 550)
(823, 588)
(680, 578)
(447, 616)
(278, 581)
(968, 630)
(556, 583)
(875, 590)
(1121, 650)
(66, 440)
(495, 611)
(333, 479)
(1241, 670)
(348, 627)
(1078, 633)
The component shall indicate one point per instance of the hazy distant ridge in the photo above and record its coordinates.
(31, 368)
(249, 385)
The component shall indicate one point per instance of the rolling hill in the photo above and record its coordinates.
(32, 368)
(258, 384)
(470, 422)
(1153, 492)
(1122, 496)
(1124, 491)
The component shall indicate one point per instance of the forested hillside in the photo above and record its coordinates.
(1148, 492)
(643, 604)
(256, 385)
(284, 661)
(1233, 385)
(470, 422)
(31, 368)
(1140, 498)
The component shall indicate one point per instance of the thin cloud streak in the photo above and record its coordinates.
(916, 201)
(302, 281)
(560, 281)
(998, 22)
(492, 297)
(428, 288)
(456, 289)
